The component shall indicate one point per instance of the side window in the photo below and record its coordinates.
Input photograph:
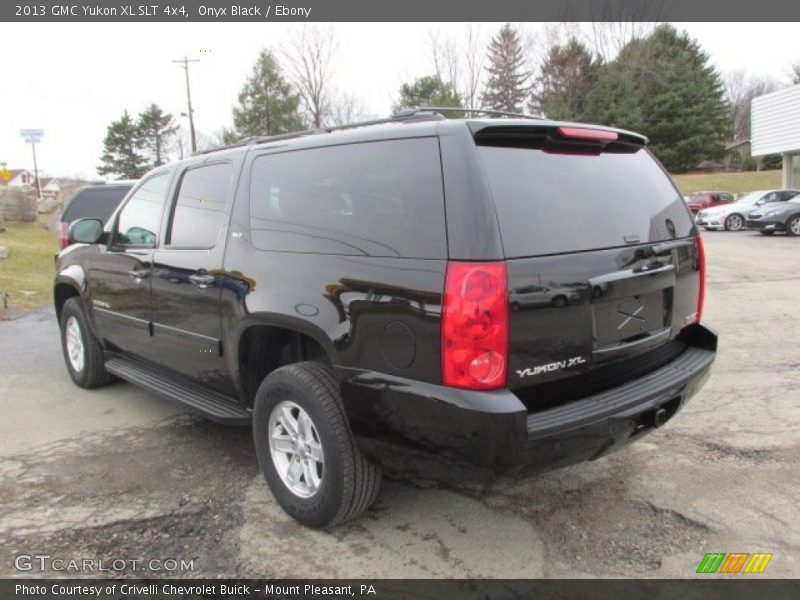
(139, 219)
(788, 195)
(772, 197)
(369, 199)
(199, 206)
(727, 197)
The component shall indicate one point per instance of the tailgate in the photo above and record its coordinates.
(574, 314)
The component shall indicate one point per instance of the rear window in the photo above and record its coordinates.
(95, 203)
(375, 199)
(550, 203)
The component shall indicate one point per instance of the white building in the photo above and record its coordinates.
(776, 130)
(18, 178)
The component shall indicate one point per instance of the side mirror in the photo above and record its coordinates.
(760, 202)
(85, 231)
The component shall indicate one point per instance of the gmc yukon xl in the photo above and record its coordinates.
(332, 286)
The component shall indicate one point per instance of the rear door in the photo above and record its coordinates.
(185, 284)
(604, 238)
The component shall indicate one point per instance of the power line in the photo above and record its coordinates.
(184, 62)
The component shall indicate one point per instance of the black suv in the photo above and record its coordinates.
(333, 286)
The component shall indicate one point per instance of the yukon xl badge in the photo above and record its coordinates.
(550, 367)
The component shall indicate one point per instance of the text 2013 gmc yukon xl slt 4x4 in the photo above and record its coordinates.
(326, 286)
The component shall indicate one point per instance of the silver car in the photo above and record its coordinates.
(733, 216)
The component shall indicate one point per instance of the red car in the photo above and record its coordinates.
(700, 200)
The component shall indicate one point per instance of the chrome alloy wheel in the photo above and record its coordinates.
(734, 223)
(75, 351)
(794, 226)
(296, 449)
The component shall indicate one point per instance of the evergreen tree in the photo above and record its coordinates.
(611, 100)
(507, 84)
(121, 155)
(681, 98)
(267, 103)
(427, 91)
(664, 87)
(567, 75)
(156, 130)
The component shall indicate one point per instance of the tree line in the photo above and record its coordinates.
(653, 79)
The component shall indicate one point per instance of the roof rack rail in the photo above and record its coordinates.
(483, 111)
(417, 113)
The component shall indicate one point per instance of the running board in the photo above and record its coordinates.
(212, 405)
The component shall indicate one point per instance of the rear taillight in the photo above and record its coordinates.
(475, 325)
(701, 272)
(63, 230)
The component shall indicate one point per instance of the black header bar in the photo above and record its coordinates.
(405, 10)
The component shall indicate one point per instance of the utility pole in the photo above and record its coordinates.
(33, 137)
(184, 62)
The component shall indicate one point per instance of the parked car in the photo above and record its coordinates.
(95, 201)
(700, 200)
(732, 217)
(332, 287)
(539, 295)
(783, 217)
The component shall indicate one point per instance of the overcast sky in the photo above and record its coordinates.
(72, 80)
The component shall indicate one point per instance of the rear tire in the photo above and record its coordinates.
(83, 354)
(333, 481)
(793, 226)
(734, 222)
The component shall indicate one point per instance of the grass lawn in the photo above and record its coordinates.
(27, 274)
(729, 182)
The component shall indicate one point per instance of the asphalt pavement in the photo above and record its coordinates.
(119, 474)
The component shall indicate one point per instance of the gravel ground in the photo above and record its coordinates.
(117, 473)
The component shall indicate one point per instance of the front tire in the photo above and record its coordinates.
(793, 226)
(83, 354)
(734, 222)
(306, 450)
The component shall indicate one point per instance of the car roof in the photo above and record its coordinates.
(427, 124)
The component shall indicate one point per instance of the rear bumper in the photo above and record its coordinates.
(495, 429)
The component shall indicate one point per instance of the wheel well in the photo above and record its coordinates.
(62, 293)
(263, 348)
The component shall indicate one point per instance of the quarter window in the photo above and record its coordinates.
(140, 218)
(199, 206)
(369, 199)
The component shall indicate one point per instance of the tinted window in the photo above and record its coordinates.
(198, 207)
(549, 203)
(377, 199)
(95, 203)
(138, 221)
(726, 197)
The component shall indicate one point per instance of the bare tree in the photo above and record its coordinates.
(617, 22)
(740, 91)
(474, 59)
(347, 108)
(446, 58)
(309, 58)
(794, 74)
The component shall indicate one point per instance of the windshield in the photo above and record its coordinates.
(750, 198)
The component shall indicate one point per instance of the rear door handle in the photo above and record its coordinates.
(202, 281)
(140, 274)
